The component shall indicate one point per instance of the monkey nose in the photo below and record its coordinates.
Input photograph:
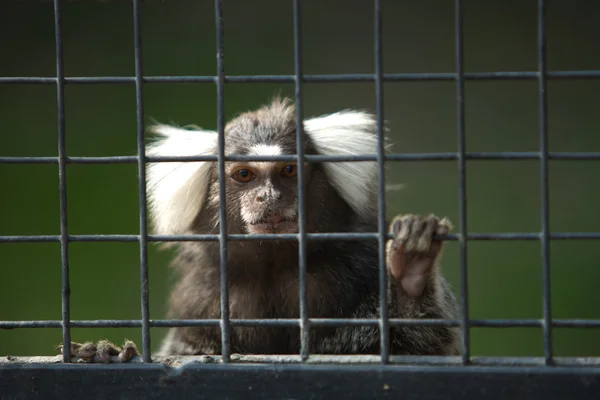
(274, 218)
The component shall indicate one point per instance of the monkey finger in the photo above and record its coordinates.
(106, 350)
(129, 351)
(85, 351)
(401, 226)
(396, 260)
(431, 225)
(444, 227)
(417, 241)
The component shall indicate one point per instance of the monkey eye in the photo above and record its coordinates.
(243, 175)
(289, 171)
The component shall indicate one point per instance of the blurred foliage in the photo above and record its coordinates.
(179, 39)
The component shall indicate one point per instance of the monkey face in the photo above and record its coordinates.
(266, 195)
(263, 196)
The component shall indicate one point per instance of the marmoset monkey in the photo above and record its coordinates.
(262, 197)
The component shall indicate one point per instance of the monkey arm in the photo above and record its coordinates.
(417, 288)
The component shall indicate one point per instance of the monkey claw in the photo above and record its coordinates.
(102, 351)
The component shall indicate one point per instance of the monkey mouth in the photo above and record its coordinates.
(274, 223)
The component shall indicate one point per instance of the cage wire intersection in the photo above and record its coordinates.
(546, 377)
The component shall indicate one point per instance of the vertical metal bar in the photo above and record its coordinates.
(462, 172)
(304, 323)
(139, 98)
(544, 181)
(225, 324)
(62, 176)
(383, 278)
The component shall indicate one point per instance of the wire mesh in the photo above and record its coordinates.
(461, 156)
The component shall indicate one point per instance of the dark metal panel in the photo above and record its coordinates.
(295, 382)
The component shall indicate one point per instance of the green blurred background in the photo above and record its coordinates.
(179, 39)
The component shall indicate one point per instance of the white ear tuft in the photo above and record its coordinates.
(349, 133)
(177, 190)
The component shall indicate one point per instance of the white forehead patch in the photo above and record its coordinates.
(265, 150)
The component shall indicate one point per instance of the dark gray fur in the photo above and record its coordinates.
(342, 276)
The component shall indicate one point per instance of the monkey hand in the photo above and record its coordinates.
(412, 254)
(103, 350)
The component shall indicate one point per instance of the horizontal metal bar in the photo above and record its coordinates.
(450, 156)
(324, 359)
(29, 238)
(331, 78)
(290, 236)
(416, 360)
(291, 322)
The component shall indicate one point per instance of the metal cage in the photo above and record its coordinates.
(318, 375)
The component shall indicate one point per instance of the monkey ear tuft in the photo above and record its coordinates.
(178, 190)
(349, 133)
